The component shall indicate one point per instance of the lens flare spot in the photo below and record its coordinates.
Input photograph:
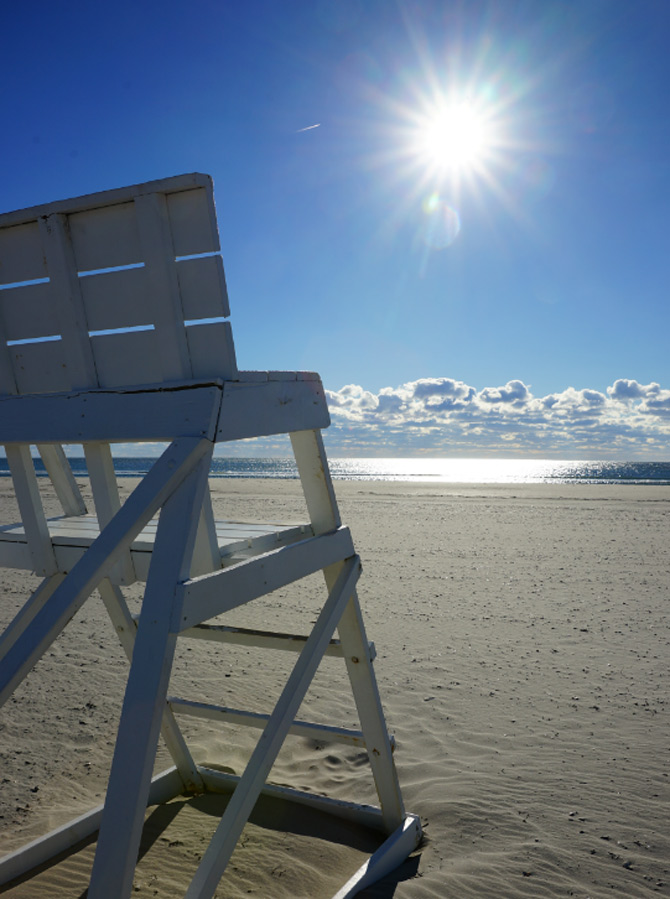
(441, 223)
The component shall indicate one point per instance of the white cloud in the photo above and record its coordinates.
(443, 415)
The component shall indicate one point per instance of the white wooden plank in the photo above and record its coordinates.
(369, 707)
(212, 594)
(105, 491)
(386, 859)
(107, 197)
(105, 237)
(60, 473)
(150, 494)
(315, 479)
(306, 729)
(40, 367)
(116, 299)
(193, 222)
(7, 380)
(127, 359)
(111, 416)
(258, 376)
(112, 197)
(163, 285)
(28, 311)
(244, 798)
(206, 555)
(67, 299)
(362, 815)
(144, 701)
(21, 257)
(257, 408)
(212, 350)
(203, 287)
(240, 636)
(30, 505)
(282, 376)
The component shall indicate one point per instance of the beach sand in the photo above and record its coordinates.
(523, 639)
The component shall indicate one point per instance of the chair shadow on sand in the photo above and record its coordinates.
(269, 814)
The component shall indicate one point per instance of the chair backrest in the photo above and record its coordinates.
(120, 288)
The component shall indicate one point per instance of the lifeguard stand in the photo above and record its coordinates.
(113, 316)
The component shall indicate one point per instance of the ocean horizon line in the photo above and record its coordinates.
(413, 469)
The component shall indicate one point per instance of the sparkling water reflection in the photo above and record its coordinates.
(422, 470)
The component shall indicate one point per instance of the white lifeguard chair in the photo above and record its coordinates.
(113, 313)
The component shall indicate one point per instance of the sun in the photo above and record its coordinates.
(455, 137)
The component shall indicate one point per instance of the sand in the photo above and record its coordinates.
(523, 642)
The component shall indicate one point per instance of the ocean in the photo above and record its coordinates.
(421, 470)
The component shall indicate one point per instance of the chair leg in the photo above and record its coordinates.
(146, 690)
(317, 485)
(371, 715)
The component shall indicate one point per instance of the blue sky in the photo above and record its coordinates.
(518, 305)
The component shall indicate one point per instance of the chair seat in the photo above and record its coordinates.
(72, 535)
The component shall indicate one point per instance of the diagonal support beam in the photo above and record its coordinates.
(152, 492)
(146, 690)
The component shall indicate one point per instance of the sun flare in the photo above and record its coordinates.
(454, 138)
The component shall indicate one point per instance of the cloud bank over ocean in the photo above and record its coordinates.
(444, 416)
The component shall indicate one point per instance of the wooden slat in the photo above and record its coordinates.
(40, 367)
(21, 257)
(127, 359)
(361, 815)
(105, 491)
(206, 555)
(253, 409)
(30, 506)
(66, 297)
(116, 299)
(203, 287)
(60, 473)
(163, 286)
(212, 594)
(242, 717)
(242, 636)
(111, 416)
(108, 197)
(193, 222)
(233, 538)
(212, 351)
(105, 237)
(7, 379)
(28, 312)
(392, 853)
